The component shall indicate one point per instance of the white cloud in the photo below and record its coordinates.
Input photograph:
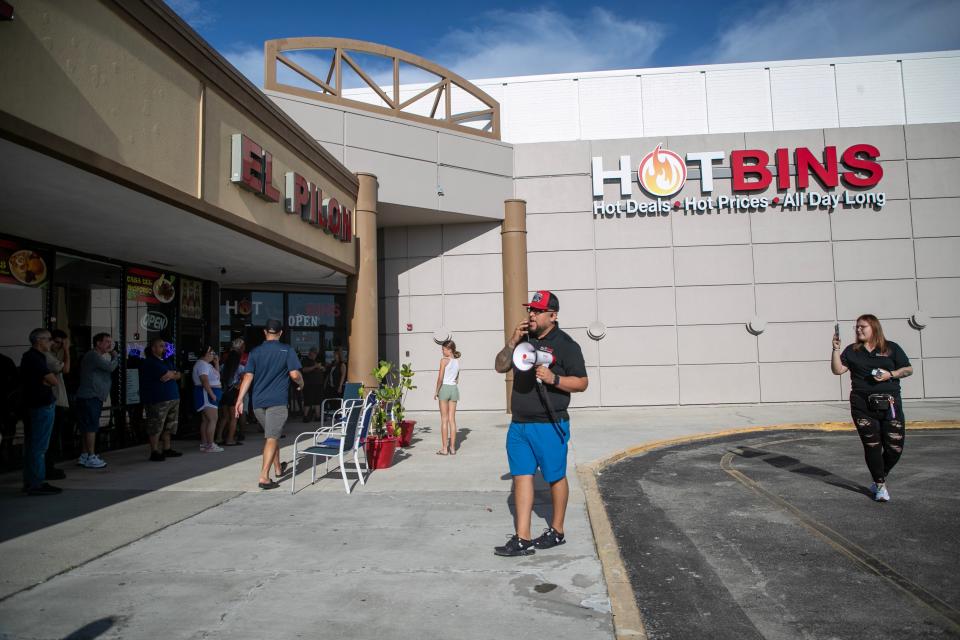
(248, 61)
(823, 28)
(511, 43)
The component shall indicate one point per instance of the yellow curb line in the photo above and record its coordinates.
(627, 621)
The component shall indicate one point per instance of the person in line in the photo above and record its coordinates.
(313, 385)
(96, 378)
(160, 395)
(876, 366)
(270, 368)
(38, 383)
(206, 397)
(540, 426)
(231, 372)
(58, 361)
(336, 376)
(448, 393)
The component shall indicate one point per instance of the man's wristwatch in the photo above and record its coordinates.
(556, 379)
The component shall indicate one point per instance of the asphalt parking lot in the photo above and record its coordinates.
(775, 535)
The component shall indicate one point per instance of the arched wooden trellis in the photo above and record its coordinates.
(331, 88)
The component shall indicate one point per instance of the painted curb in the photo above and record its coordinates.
(627, 620)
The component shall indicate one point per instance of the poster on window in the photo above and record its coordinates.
(22, 265)
(151, 287)
(191, 299)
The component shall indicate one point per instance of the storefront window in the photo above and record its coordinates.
(24, 277)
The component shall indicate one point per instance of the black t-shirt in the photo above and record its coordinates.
(861, 362)
(33, 368)
(525, 402)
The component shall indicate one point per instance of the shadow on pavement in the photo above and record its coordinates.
(795, 465)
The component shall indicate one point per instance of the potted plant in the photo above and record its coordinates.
(405, 384)
(382, 443)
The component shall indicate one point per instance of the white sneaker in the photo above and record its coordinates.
(881, 494)
(94, 461)
(204, 448)
(82, 461)
(214, 448)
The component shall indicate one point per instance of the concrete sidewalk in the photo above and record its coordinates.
(190, 548)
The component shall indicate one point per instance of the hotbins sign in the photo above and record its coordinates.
(251, 168)
(663, 173)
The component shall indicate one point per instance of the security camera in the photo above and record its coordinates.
(223, 271)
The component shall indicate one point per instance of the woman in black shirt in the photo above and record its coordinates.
(876, 366)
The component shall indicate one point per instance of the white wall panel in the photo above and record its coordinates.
(804, 97)
(892, 221)
(424, 242)
(795, 302)
(578, 308)
(936, 217)
(560, 231)
(424, 312)
(626, 386)
(473, 312)
(716, 344)
(561, 270)
(540, 111)
(555, 195)
(551, 158)
(634, 268)
(722, 228)
(662, 93)
(719, 383)
(425, 276)
(729, 264)
(472, 274)
(939, 339)
(798, 381)
(479, 390)
(626, 346)
(774, 225)
(870, 93)
(873, 259)
(396, 280)
(610, 108)
(882, 298)
(394, 242)
(637, 307)
(739, 100)
(938, 257)
(930, 95)
(795, 341)
(793, 262)
(588, 346)
(939, 296)
(478, 349)
(646, 231)
(477, 237)
(715, 305)
(590, 397)
(941, 377)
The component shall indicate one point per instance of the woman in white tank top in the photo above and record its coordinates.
(448, 393)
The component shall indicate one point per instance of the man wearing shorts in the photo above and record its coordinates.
(270, 368)
(540, 428)
(160, 395)
(96, 378)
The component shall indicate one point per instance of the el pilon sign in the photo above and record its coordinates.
(251, 168)
(662, 173)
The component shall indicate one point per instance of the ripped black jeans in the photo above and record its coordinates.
(882, 435)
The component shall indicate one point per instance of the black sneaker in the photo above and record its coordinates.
(516, 546)
(44, 490)
(157, 456)
(170, 453)
(548, 539)
(55, 474)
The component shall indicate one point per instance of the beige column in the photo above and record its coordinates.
(513, 244)
(362, 332)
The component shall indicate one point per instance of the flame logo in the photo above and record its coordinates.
(662, 172)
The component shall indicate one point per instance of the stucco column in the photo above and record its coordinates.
(362, 316)
(513, 244)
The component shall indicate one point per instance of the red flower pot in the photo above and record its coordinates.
(380, 451)
(406, 432)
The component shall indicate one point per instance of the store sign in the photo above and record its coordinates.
(663, 173)
(251, 168)
(22, 265)
(315, 315)
(151, 287)
(153, 321)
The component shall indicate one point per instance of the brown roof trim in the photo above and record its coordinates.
(28, 135)
(168, 31)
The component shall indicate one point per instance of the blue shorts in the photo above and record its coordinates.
(538, 444)
(88, 412)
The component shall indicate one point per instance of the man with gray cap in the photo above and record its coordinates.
(270, 368)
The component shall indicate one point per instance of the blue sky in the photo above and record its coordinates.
(495, 39)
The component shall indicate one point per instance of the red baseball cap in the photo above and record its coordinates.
(544, 301)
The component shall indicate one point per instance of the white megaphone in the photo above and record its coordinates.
(525, 357)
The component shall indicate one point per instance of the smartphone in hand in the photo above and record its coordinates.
(836, 329)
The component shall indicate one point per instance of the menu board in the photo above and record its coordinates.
(23, 265)
(150, 286)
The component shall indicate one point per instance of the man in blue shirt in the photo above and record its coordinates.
(38, 383)
(160, 395)
(270, 368)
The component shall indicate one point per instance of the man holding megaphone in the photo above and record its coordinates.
(547, 367)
